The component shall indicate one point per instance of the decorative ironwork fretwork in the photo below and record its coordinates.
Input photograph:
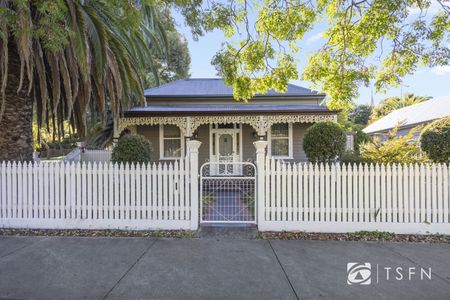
(260, 123)
(178, 121)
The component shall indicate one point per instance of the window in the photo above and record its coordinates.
(170, 142)
(280, 140)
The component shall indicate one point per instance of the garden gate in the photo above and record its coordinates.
(227, 192)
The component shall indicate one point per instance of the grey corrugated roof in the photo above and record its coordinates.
(411, 115)
(214, 87)
(239, 107)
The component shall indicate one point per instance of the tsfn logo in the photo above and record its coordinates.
(359, 273)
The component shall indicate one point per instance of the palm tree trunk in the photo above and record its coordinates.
(16, 138)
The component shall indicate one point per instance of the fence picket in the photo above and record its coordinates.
(170, 174)
(295, 197)
(132, 185)
(344, 187)
(376, 191)
(326, 195)
(288, 192)
(321, 192)
(446, 195)
(434, 199)
(278, 190)
(400, 189)
(283, 205)
(3, 182)
(439, 199)
(334, 205)
(267, 193)
(316, 193)
(428, 194)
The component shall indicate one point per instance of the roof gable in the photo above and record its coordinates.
(215, 87)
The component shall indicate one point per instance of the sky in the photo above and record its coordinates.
(434, 82)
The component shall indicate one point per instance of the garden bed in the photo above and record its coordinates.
(378, 236)
(364, 236)
(99, 233)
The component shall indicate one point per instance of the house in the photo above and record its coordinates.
(409, 117)
(204, 109)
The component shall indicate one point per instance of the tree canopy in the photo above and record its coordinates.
(361, 114)
(378, 41)
(174, 63)
(75, 53)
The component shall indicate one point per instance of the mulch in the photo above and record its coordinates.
(99, 233)
(365, 236)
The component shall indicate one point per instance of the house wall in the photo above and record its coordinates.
(248, 150)
(152, 134)
(297, 135)
(203, 136)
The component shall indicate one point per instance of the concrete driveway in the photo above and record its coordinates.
(146, 268)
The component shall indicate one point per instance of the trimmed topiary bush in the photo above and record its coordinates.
(132, 148)
(324, 142)
(435, 140)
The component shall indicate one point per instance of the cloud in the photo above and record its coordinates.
(314, 38)
(441, 70)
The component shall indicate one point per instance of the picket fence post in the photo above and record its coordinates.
(260, 167)
(193, 160)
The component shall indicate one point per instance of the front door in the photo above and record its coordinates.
(225, 148)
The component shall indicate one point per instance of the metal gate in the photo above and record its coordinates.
(228, 192)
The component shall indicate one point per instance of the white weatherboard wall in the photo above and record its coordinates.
(341, 198)
(96, 196)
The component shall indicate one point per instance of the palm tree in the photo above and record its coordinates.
(61, 58)
(394, 103)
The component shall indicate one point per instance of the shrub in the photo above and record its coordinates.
(396, 149)
(435, 140)
(350, 157)
(132, 148)
(361, 138)
(324, 142)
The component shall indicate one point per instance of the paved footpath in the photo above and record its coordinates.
(147, 268)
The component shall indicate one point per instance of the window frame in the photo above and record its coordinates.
(290, 143)
(161, 143)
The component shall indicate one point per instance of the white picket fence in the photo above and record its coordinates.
(290, 196)
(343, 198)
(97, 195)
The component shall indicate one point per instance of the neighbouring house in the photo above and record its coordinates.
(409, 117)
(204, 109)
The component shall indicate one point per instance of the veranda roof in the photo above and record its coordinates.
(238, 108)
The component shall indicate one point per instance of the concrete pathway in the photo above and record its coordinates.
(145, 268)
